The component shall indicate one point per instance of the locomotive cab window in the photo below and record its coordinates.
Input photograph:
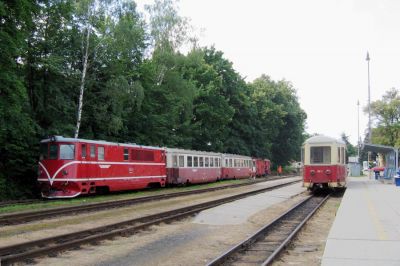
(83, 151)
(320, 155)
(44, 151)
(53, 151)
(126, 154)
(100, 153)
(92, 151)
(67, 151)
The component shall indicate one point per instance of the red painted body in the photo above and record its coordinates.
(236, 172)
(323, 174)
(267, 166)
(193, 175)
(82, 175)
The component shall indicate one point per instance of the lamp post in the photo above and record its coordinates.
(369, 103)
(358, 129)
(369, 115)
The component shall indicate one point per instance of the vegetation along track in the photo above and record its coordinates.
(262, 247)
(23, 217)
(46, 246)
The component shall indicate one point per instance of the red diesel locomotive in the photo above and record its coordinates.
(324, 163)
(70, 167)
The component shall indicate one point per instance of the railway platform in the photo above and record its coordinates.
(366, 230)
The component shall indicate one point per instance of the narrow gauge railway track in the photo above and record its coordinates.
(50, 245)
(23, 217)
(18, 202)
(262, 247)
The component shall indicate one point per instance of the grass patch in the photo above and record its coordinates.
(45, 204)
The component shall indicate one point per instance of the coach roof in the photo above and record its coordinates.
(321, 139)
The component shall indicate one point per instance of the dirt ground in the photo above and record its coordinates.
(179, 243)
(67, 224)
(308, 247)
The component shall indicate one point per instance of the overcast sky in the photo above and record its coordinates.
(319, 46)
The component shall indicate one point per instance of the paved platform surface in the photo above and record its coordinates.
(239, 211)
(366, 230)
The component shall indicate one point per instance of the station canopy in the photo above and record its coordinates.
(391, 157)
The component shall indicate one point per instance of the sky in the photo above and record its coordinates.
(319, 46)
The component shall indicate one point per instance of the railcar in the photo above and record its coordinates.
(69, 167)
(191, 167)
(324, 163)
(236, 166)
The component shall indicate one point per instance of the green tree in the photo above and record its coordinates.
(17, 129)
(387, 115)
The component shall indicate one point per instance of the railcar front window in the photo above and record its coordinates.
(53, 151)
(320, 155)
(67, 151)
(44, 151)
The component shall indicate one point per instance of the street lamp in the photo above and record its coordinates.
(369, 104)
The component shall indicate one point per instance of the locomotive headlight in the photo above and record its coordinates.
(328, 172)
(312, 172)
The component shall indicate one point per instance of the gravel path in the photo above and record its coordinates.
(179, 243)
(66, 224)
(308, 248)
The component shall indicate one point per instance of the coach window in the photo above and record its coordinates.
(195, 161)
(126, 154)
(100, 153)
(320, 155)
(206, 160)
(216, 162)
(92, 151)
(211, 162)
(226, 163)
(174, 161)
(201, 161)
(230, 163)
(342, 155)
(67, 151)
(181, 161)
(189, 161)
(83, 151)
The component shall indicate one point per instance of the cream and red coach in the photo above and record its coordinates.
(236, 166)
(324, 160)
(69, 167)
(191, 167)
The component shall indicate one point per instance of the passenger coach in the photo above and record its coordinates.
(191, 167)
(324, 160)
(236, 166)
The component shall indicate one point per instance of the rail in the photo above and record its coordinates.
(263, 246)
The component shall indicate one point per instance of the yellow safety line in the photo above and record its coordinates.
(375, 219)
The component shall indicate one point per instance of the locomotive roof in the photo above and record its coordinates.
(63, 139)
(320, 139)
(183, 151)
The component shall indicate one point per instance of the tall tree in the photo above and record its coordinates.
(17, 129)
(387, 115)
